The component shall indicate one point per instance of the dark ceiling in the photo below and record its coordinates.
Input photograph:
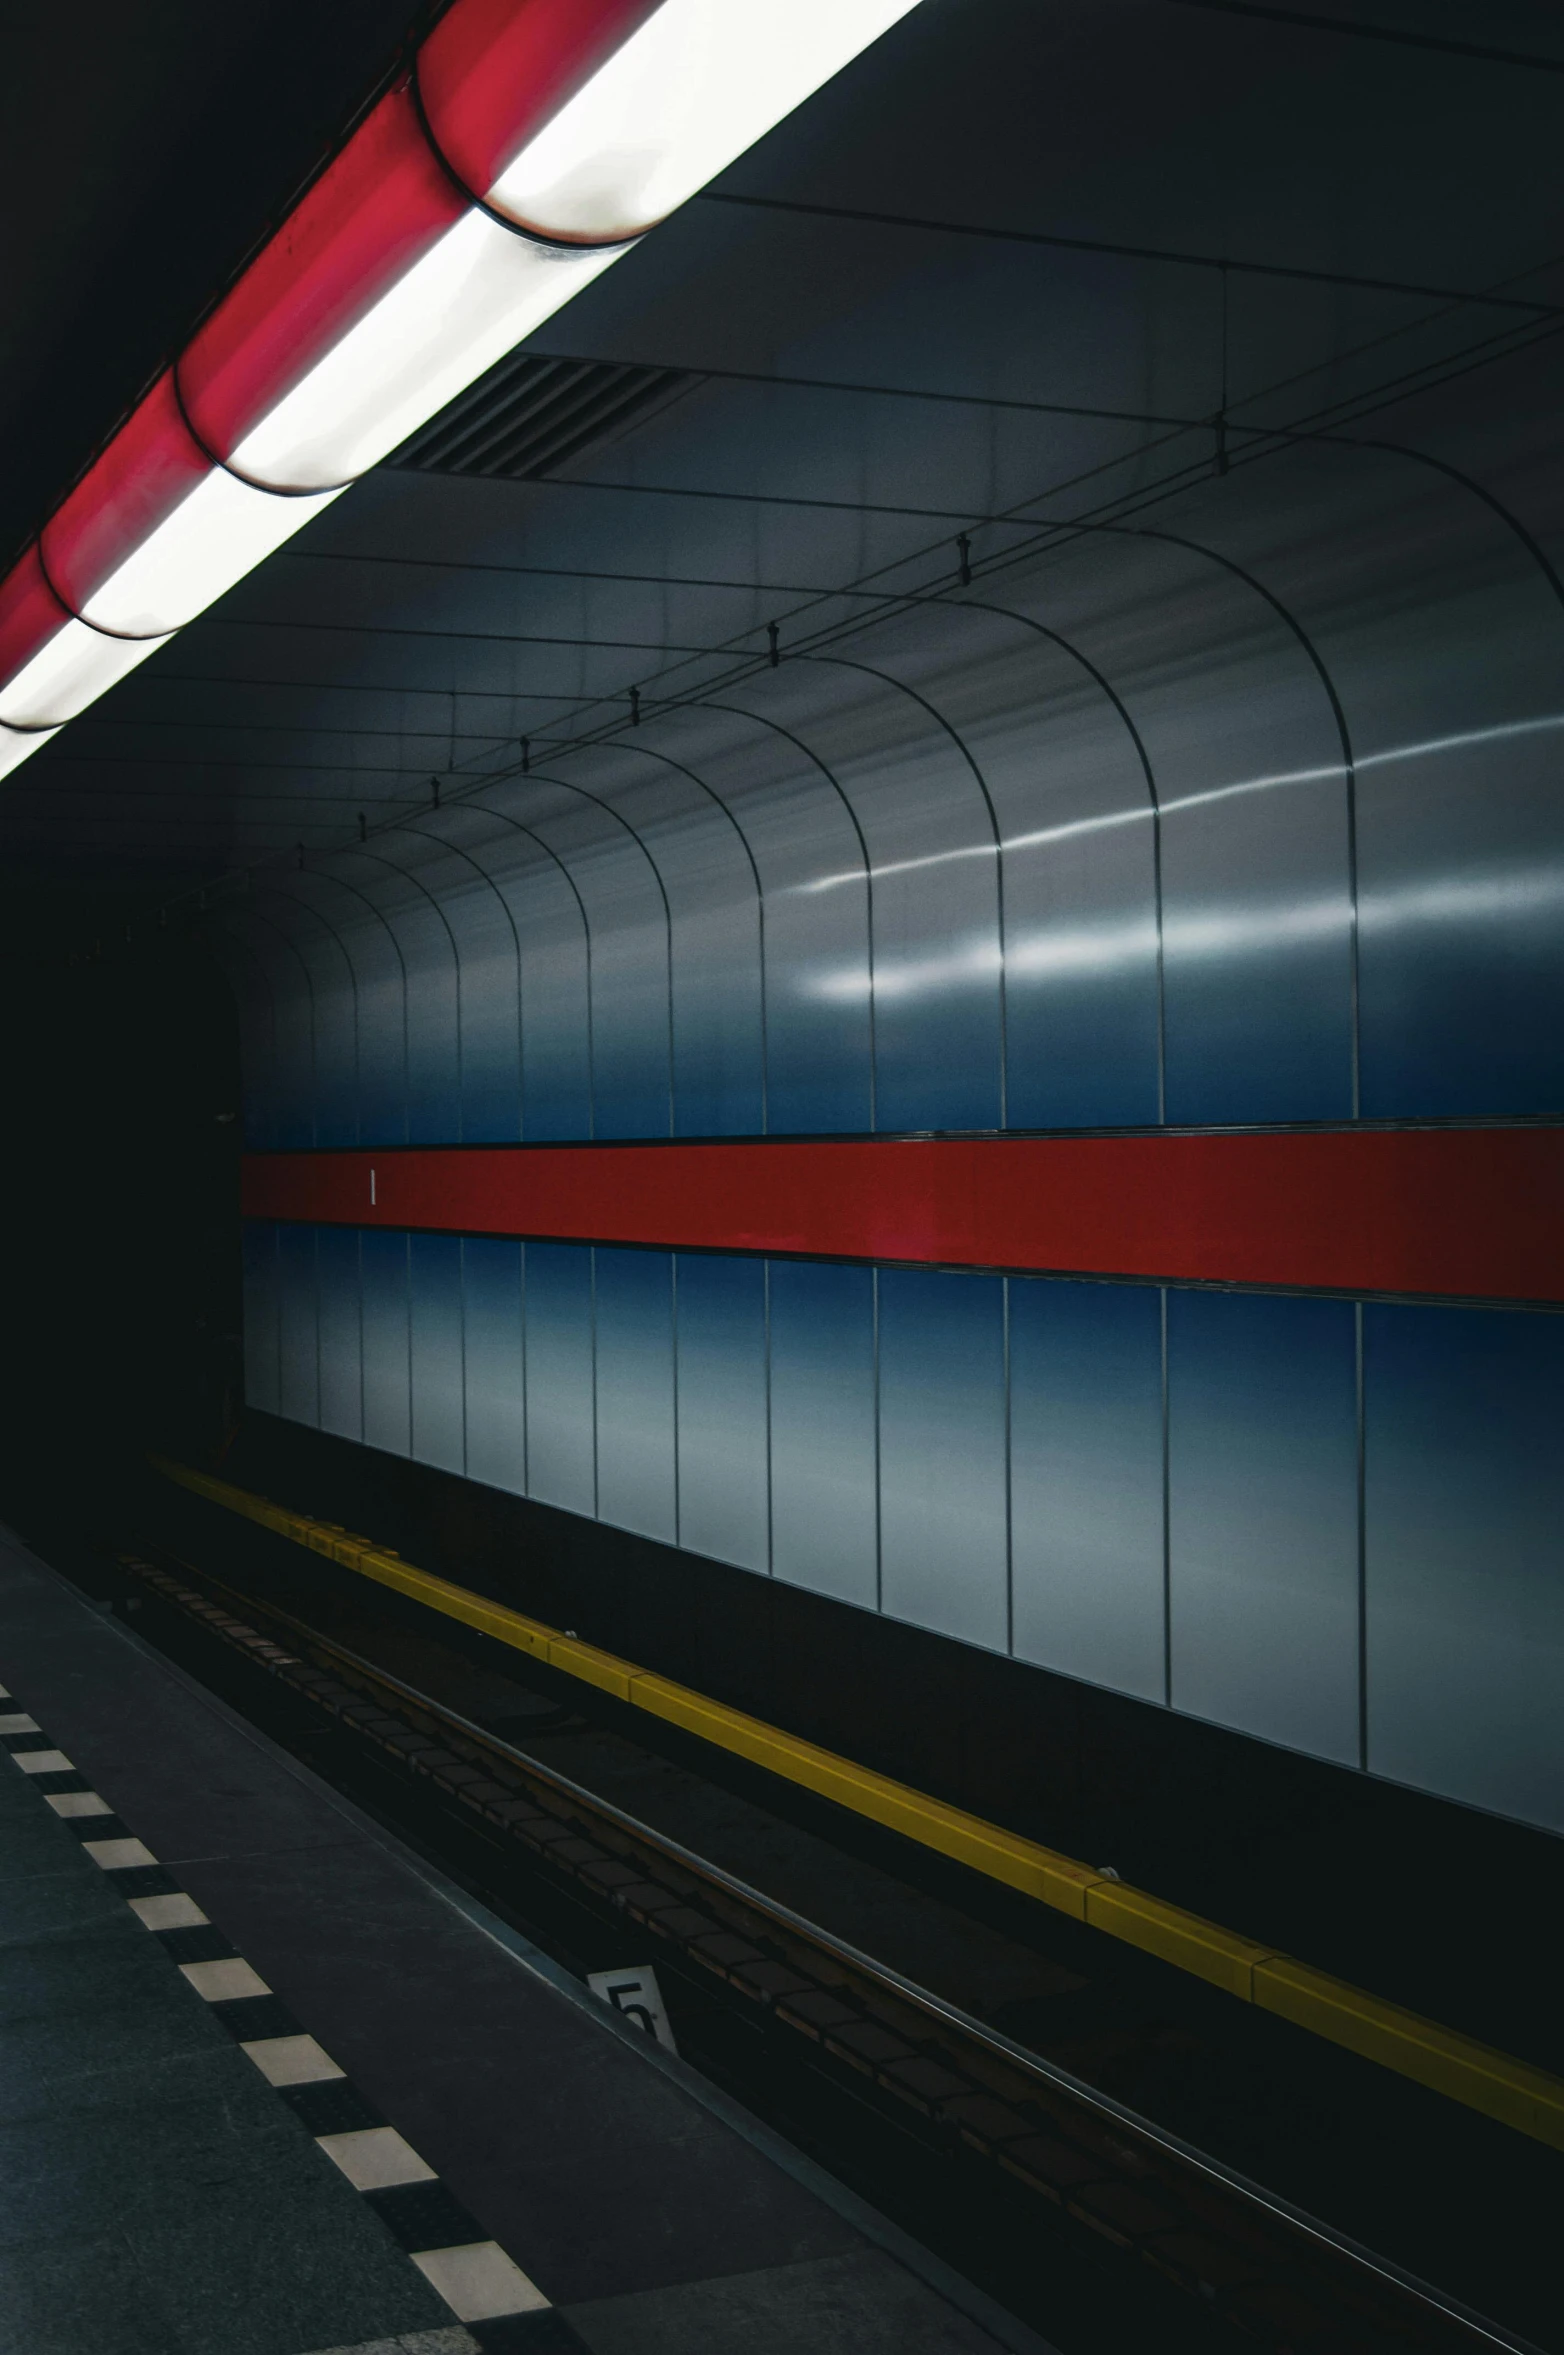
(1018, 255)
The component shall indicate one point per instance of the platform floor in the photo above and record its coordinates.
(271, 2088)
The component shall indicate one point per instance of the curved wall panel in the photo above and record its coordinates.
(1249, 816)
(1247, 813)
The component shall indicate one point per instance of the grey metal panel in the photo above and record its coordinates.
(1256, 871)
(714, 907)
(298, 1325)
(619, 887)
(939, 966)
(1442, 633)
(823, 1505)
(341, 1332)
(388, 1405)
(1465, 1550)
(637, 1485)
(561, 1448)
(1086, 1482)
(936, 980)
(493, 1360)
(943, 1541)
(261, 1375)
(1247, 761)
(1079, 872)
(556, 1017)
(814, 878)
(379, 1001)
(435, 1330)
(433, 987)
(720, 1323)
(455, 873)
(1262, 1514)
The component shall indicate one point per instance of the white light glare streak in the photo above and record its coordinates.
(1075, 953)
(1109, 821)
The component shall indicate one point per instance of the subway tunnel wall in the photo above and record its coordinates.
(1245, 813)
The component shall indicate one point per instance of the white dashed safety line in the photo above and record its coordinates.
(477, 2279)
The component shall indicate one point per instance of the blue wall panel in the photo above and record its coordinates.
(935, 903)
(1262, 1514)
(824, 1514)
(298, 1329)
(814, 874)
(723, 1483)
(561, 1445)
(433, 1008)
(556, 1090)
(341, 1335)
(491, 1002)
(789, 907)
(636, 1479)
(853, 1431)
(494, 1361)
(1465, 1520)
(435, 1335)
(1086, 1482)
(380, 1010)
(1080, 904)
(388, 1408)
(942, 1454)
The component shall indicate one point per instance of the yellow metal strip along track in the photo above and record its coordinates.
(1501, 2087)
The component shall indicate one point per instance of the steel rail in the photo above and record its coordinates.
(1322, 2247)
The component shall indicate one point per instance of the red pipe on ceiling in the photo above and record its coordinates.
(404, 272)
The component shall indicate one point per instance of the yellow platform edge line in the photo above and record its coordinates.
(1501, 2087)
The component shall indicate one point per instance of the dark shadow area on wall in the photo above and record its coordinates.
(119, 1272)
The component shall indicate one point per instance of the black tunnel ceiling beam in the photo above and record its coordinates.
(1454, 296)
(1396, 36)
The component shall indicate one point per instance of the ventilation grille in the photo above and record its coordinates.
(531, 413)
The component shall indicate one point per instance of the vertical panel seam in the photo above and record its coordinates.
(598, 802)
(408, 876)
(1153, 796)
(890, 680)
(1167, 1517)
(526, 1404)
(673, 1357)
(396, 949)
(484, 876)
(1362, 1536)
(759, 720)
(461, 1329)
(1010, 1606)
(668, 761)
(549, 852)
(358, 1311)
(879, 1547)
(592, 1349)
(765, 1293)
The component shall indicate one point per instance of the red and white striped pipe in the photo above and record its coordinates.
(531, 143)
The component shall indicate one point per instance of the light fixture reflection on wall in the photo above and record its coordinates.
(530, 144)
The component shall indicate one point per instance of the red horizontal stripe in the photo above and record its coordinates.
(1469, 1212)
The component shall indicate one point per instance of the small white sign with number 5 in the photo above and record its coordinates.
(636, 1994)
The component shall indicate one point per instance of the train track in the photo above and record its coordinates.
(1026, 2135)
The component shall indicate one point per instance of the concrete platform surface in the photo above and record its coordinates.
(272, 2089)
